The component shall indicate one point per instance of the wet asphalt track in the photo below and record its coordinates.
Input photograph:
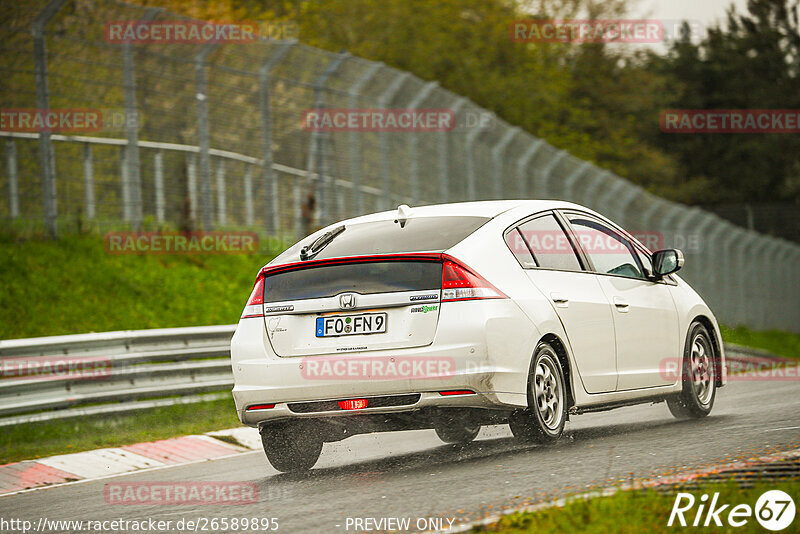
(413, 475)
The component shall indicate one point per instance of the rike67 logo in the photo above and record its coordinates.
(774, 510)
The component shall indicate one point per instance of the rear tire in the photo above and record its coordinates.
(290, 448)
(699, 376)
(543, 421)
(458, 434)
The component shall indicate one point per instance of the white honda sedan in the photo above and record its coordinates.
(455, 316)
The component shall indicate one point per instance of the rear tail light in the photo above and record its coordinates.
(255, 304)
(457, 392)
(460, 283)
(260, 407)
(353, 404)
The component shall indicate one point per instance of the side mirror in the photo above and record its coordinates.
(667, 262)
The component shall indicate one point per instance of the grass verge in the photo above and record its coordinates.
(779, 343)
(47, 438)
(640, 511)
(73, 286)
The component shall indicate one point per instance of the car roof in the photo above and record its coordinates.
(481, 208)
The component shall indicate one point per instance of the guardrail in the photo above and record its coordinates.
(143, 367)
(181, 363)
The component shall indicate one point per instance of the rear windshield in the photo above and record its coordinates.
(364, 278)
(420, 234)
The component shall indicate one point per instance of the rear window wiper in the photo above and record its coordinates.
(309, 251)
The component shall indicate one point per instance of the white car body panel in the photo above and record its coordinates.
(491, 341)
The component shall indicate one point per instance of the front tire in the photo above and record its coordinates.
(544, 419)
(290, 448)
(699, 376)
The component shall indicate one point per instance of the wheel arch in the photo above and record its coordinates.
(715, 341)
(563, 358)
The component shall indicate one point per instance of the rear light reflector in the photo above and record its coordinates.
(353, 404)
(460, 283)
(255, 303)
(260, 407)
(457, 392)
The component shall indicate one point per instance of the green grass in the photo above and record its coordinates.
(638, 511)
(37, 440)
(72, 286)
(780, 343)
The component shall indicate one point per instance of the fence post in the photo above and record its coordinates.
(712, 255)
(46, 153)
(569, 183)
(222, 211)
(587, 195)
(696, 259)
(648, 215)
(248, 195)
(621, 213)
(546, 173)
(355, 137)
(88, 180)
(744, 263)
(134, 182)
(124, 185)
(383, 102)
(522, 167)
(203, 134)
(268, 173)
(498, 151)
(444, 152)
(316, 149)
(469, 155)
(191, 184)
(158, 182)
(726, 260)
(413, 143)
(13, 189)
(606, 199)
(757, 290)
(791, 314)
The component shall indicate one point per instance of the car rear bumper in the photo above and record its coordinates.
(484, 354)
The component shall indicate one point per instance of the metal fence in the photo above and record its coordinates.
(213, 137)
(112, 372)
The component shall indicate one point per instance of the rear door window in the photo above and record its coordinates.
(549, 244)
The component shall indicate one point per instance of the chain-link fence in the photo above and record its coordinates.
(212, 136)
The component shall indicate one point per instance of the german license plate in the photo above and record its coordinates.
(348, 325)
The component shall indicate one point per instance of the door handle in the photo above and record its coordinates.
(622, 305)
(560, 300)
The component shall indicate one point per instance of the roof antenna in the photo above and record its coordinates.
(403, 214)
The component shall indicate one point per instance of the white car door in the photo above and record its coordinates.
(645, 316)
(550, 262)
